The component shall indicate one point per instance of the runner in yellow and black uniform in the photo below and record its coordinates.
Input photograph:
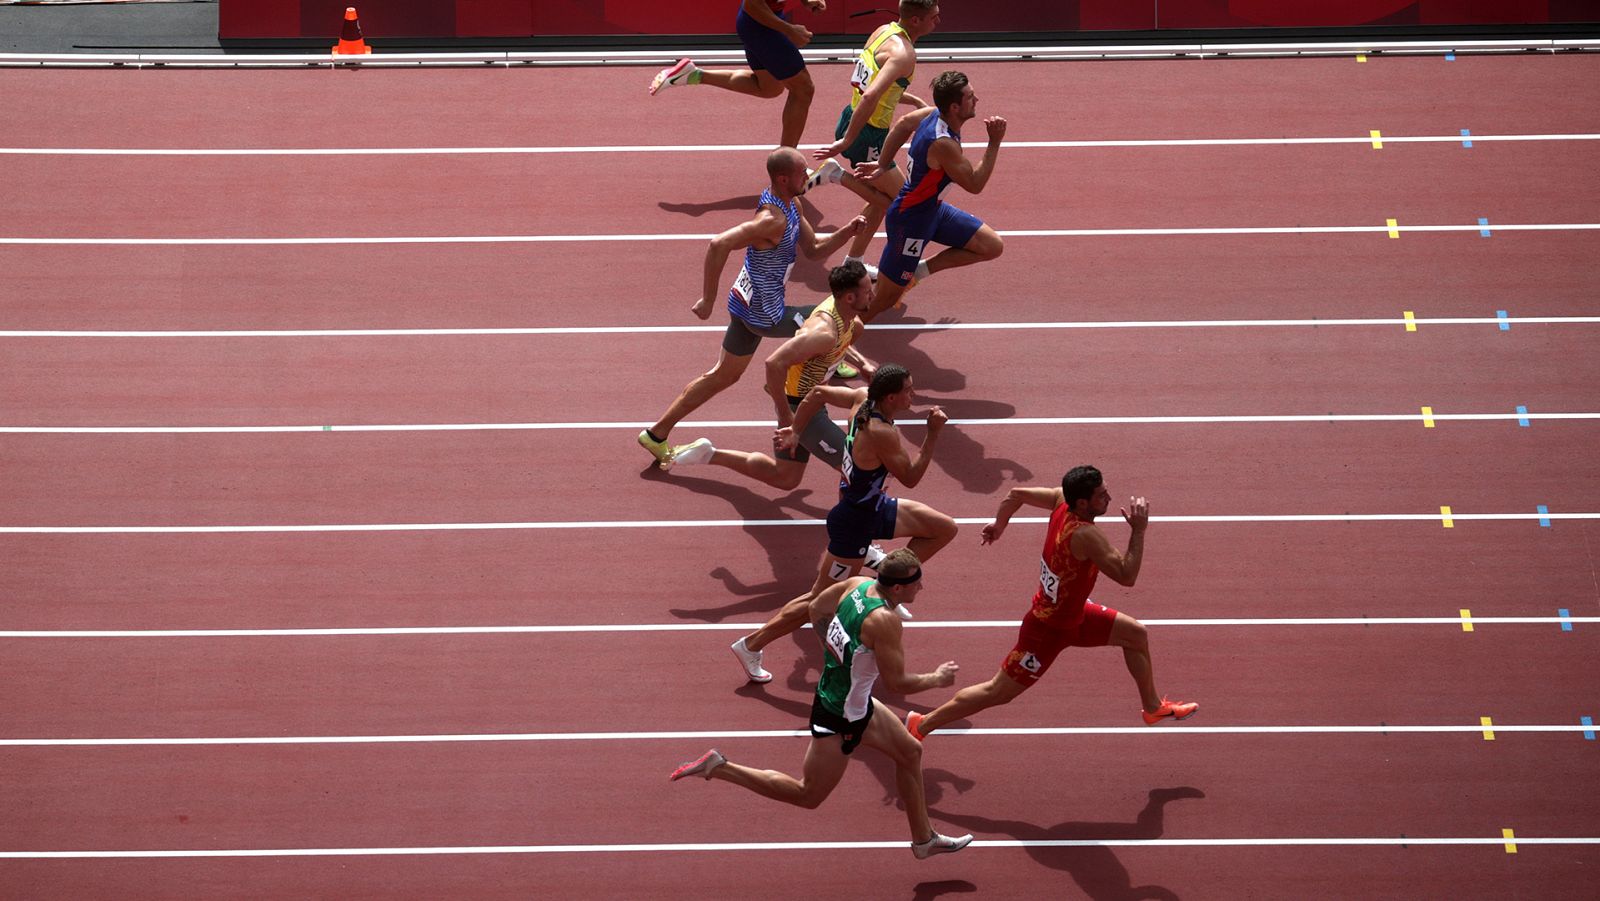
(797, 366)
(878, 84)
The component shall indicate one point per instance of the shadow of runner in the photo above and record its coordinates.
(1095, 868)
(927, 891)
(792, 551)
(746, 203)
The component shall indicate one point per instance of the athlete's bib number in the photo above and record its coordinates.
(861, 77)
(743, 287)
(1048, 581)
(838, 640)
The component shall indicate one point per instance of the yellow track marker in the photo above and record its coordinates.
(1511, 840)
(1444, 513)
(1361, 57)
(1427, 417)
(1377, 139)
(1466, 620)
(1411, 318)
(1394, 228)
(1488, 728)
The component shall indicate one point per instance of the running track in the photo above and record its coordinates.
(1348, 757)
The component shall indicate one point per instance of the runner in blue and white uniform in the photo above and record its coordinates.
(919, 216)
(756, 301)
(861, 641)
(873, 452)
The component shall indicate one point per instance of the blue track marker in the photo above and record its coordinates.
(1449, 57)
(1544, 519)
(1505, 320)
(1522, 416)
(1466, 137)
(1483, 228)
(1587, 721)
(1566, 619)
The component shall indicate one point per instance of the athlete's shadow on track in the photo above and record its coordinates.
(746, 203)
(927, 891)
(793, 552)
(1097, 871)
(959, 454)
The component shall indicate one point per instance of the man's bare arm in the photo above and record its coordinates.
(882, 633)
(947, 155)
(1122, 568)
(1016, 499)
(892, 452)
(814, 339)
(766, 228)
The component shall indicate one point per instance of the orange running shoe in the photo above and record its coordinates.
(1178, 710)
(914, 725)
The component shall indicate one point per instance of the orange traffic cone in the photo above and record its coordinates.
(350, 42)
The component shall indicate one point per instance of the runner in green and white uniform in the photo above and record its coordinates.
(861, 635)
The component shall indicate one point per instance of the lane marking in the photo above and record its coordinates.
(1466, 620)
(1504, 320)
(1465, 138)
(1510, 840)
(1448, 519)
(1544, 516)
(1376, 138)
(1588, 724)
(1392, 229)
(1410, 317)
(1483, 228)
(1361, 57)
(1564, 620)
(1521, 416)
(1427, 417)
(728, 734)
(729, 523)
(723, 847)
(1501, 320)
(1488, 728)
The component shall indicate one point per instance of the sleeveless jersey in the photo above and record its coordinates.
(757, 293)
(867, 69)
(925, 184)
(1064, 580)
(849, 668)
(860, 488)
(807, 374)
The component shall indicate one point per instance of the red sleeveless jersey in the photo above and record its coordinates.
(1064, 581)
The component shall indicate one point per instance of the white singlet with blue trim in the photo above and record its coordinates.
(757, 293)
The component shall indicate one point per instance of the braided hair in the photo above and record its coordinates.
(889, 379)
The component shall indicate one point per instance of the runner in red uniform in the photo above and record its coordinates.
(1075, 553)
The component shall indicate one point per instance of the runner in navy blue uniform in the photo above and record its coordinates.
(873, 450)
(772, 47)
(756, 301)
(918, 216)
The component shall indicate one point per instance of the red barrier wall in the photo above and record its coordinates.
(280, 19)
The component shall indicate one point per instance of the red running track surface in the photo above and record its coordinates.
(523, 807)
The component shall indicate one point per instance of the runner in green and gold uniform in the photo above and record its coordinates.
(861, 639)
(878, 83)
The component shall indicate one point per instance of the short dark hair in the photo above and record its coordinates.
(1080, 483)
(846, 276)
(916, 7)
(947, 87)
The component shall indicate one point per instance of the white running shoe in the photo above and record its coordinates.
(680, 73)
(751, 661)
(872, 271)
(875, 556)
(697, 451)
(939, 844)
(710, 760)
(828, 173)
(901, 611)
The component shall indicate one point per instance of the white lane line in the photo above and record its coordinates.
(763, 423)
(763, 148)
(897, 846)
(724, 734)
(648, 238)
(741, 523)
(1454, 621)
(707, 329)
